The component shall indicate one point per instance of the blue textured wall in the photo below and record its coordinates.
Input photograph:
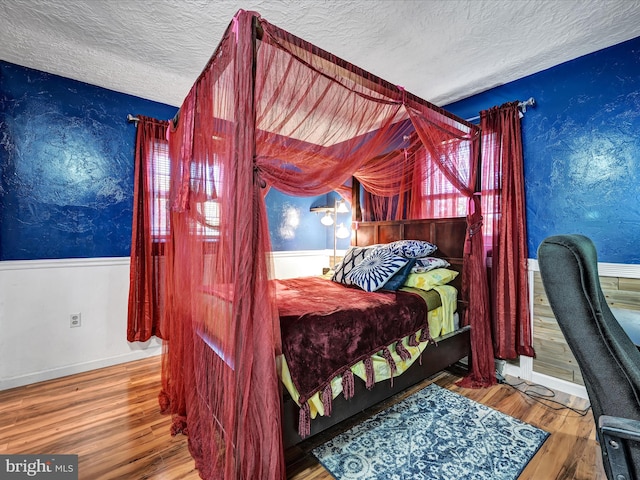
(581, 149)
(66, 160)
(66, 165)
(293, 227)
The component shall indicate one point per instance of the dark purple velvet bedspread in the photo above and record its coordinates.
(328, 327)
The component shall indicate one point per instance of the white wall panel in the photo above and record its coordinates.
(38, 297)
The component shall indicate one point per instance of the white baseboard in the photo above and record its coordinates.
(20, 381)
(560, 385)
(525, 372)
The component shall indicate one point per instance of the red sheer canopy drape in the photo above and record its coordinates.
(503, 198)
(272, 110)
(146, 282)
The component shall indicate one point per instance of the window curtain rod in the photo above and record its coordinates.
(131, 118)
(521, 105)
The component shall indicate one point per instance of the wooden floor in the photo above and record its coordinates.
(110, 419)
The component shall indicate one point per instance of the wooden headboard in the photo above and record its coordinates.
(447, 233)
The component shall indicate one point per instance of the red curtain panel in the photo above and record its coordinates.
(505, 230)
(149, 231)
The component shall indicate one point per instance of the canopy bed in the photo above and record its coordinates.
(271, 110)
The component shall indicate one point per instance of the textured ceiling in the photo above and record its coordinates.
(441, 50)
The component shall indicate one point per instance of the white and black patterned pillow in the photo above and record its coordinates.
(377, 267)
(428, 263)
(353, 257)
(412, 248)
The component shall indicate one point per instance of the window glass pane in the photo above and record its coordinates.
(159, 172)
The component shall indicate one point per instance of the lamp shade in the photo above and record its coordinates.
(327, 219)
(341, 207)
(342, 232)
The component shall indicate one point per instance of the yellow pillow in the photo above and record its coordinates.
(430, 279)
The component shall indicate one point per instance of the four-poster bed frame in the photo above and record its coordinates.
(273, 110)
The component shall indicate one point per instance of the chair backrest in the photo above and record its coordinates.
(608, 359)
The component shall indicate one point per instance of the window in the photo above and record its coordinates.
(491, 190)
(205, 185)
(205, 182)
(158, 176)
(441, 198)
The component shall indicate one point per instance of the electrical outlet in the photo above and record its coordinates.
(75, 320)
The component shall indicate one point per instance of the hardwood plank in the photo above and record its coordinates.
(110, 418)
(629, 284)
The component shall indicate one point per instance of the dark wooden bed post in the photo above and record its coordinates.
(356, 210)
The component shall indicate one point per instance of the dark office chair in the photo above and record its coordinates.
(608, 359)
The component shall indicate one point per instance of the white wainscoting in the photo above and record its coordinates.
(37, 298)
(36, 301)
(301, 263)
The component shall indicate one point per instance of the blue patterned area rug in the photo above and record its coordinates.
(434, 434)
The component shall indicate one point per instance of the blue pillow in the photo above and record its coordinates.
(398, 279)
(377, 267)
